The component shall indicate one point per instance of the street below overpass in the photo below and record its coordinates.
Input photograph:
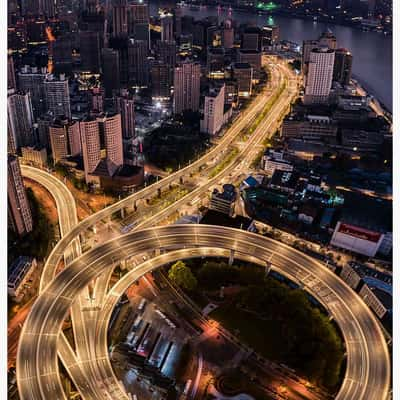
(368, 364)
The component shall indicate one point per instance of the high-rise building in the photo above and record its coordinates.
(213, 115)
(186, 87)
(270, 35)
(96, 100)
(62, 54)
(101, 141)
(178, 22)
(19, 120)
(125, 106)
(228, 35)
(90, 51)
(253, 58)
(120, 18)
(138, 21)
(19, 211)
(243, 74)
(57, 96)
(91, 145)
(166, 53)
(327, 39)
(111, 131)
(319, 76)
(343, 66)
(215, 59)
(138, 63)
(251, 39)
(65, 139)
(160, 77)
(11, 82)
(43, 124)
(31, 79)
(167, 27)
(110, 71)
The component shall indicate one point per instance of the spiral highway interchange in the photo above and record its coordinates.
(368, 363)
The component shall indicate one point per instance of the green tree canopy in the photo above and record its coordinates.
(182, 276)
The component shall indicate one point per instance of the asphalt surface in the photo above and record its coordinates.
(368, 364)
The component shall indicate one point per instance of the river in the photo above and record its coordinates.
(372, 51)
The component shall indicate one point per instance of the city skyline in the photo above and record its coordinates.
(199, 200)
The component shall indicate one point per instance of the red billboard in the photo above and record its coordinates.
(359, 233)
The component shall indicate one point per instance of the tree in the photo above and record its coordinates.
(182, 276)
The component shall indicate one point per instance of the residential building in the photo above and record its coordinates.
(37, 156)
(319, 76)
(138, 70)
(228, 34)
(186, 87)
(19, 274)
(31, 79)
(19, 120)
(57, 96)
(11, 82)
(90, 54)
(19, 211)
(125, 105)
(65, 139)
(213, 114)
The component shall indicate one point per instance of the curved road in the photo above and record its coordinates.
(368, 363)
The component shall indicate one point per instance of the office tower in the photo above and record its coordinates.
(243, 74)
(91, 145)
(160, 77)
(16, 38)
(343, 66)
(269, 35)
(62, 54)
(47, 8)
(178, 22)
(327, 39)
(319, 76)
(215, 59)
(31, 79)
(57, 96)
(213, 114)
(20, 120)
(186, 87)
(111, 131)
(138, 63)
(11, 82)
(90, 51)
(251, 39)
(167, 27)
(65, 139)
(110, 71)
(125, 106)
(253, 58)
(19, 211)
(96, 100)
(138, 22)
(166, 53)
(120, 18)
(228, 35)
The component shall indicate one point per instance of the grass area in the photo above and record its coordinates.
(224, 163)
(38, 242)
